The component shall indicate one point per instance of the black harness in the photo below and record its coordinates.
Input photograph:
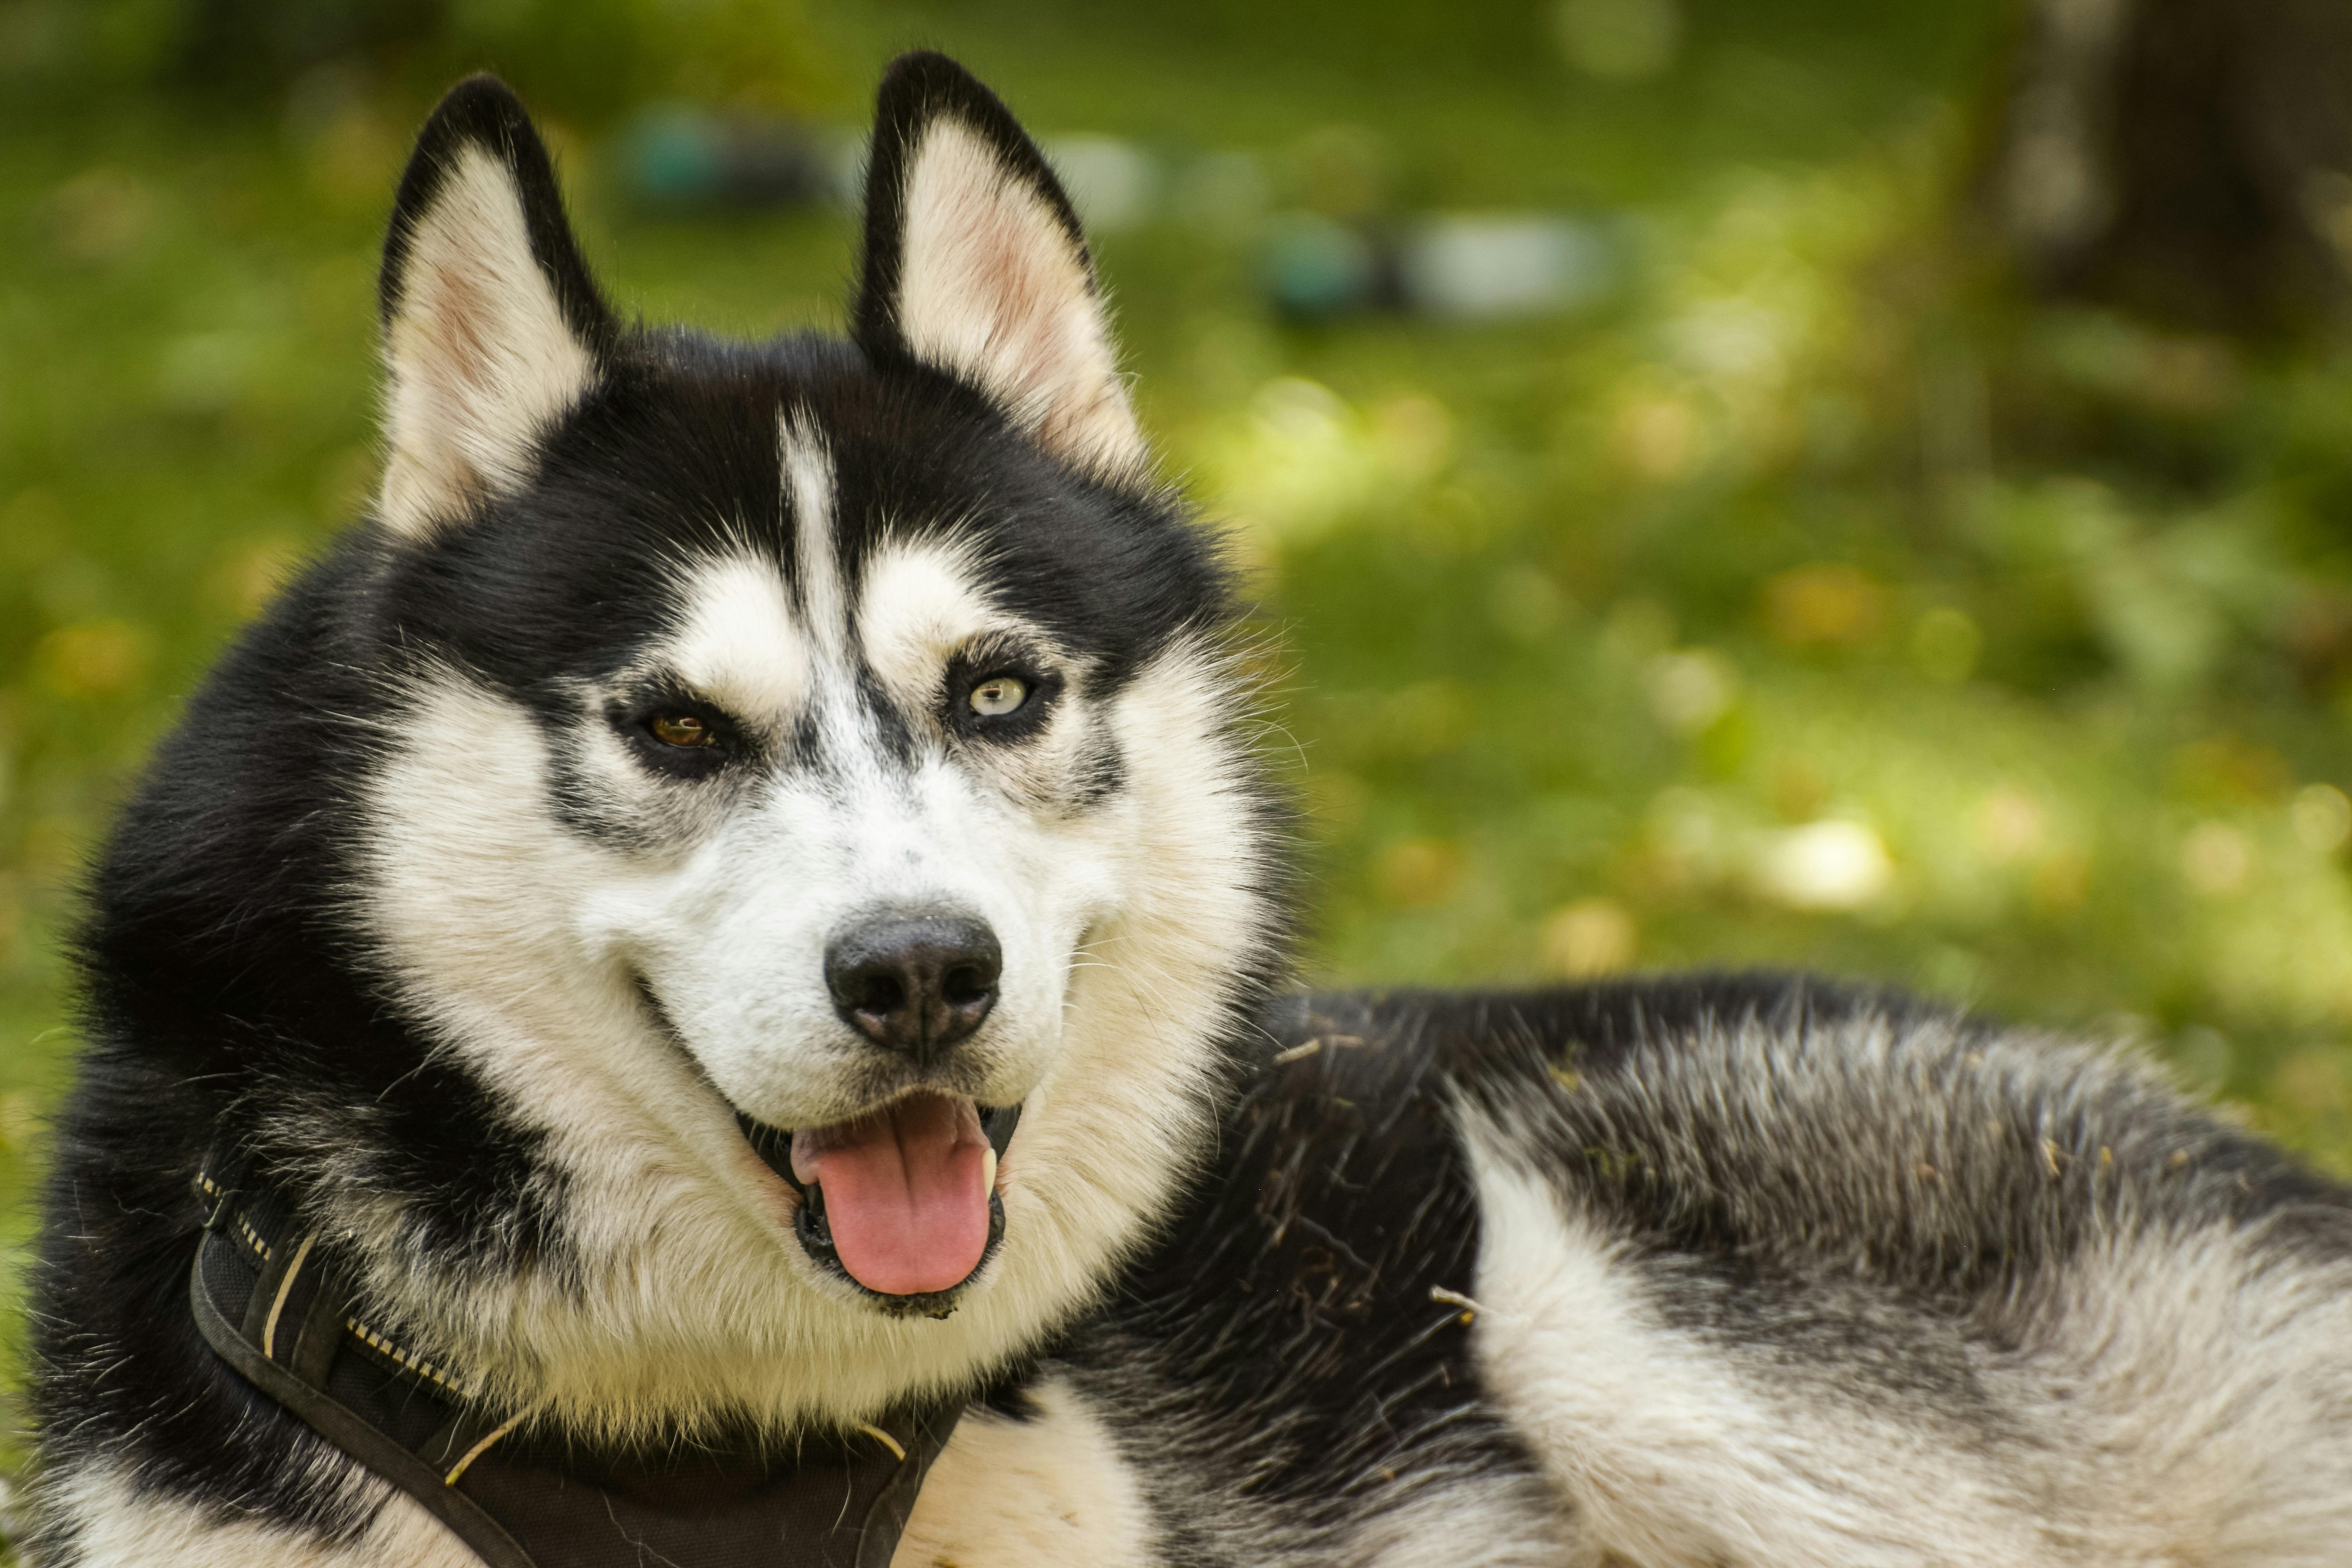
(519, 1498)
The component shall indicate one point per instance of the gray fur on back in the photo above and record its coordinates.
(1885, 1286)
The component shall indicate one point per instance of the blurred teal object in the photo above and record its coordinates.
(674, 154)
(678, 155)
(1316, 268)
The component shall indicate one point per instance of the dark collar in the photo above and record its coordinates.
(519, 1497)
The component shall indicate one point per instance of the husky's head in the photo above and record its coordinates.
(801, 761)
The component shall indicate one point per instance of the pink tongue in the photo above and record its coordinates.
(906, 1194)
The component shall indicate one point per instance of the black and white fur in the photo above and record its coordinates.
(413, 912)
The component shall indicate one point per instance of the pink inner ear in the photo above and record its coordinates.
(482, 358)
(453, 317)
(992, 288)
(1003, 273)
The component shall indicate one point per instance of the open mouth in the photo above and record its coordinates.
(902, 1200)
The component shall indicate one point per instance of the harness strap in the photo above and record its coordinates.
(270, 1308)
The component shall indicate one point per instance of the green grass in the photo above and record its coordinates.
(1810, 602)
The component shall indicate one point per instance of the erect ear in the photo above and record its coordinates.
(492, 328)
(975, 265)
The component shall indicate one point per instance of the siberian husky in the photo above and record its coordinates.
(718, 960)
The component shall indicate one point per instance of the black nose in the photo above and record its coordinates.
(916, 984)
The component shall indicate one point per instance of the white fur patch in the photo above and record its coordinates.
(808, 487)
(918, 606)
(2197, 1398)
(992, 288)
(1017, 1494)
(115, 1523)
(480, 358)
(1670, 1453)
(742, 646)
(1484, 1522)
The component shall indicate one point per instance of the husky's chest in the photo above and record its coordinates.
(1054, 1487)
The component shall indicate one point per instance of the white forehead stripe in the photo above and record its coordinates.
(742, 646)
(808, 490)
(920, 602)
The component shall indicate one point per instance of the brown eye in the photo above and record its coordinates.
(682, 730)
(998, 695)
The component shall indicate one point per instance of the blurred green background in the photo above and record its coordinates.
(1816, 582)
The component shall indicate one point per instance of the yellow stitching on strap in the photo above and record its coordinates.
(285, 1286)
(253, 1237)
(478, 1449)
(884, 1438)
(417, 1364)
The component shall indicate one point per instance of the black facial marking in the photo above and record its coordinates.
(1100, 770)
(891, 729)
(804, 750)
